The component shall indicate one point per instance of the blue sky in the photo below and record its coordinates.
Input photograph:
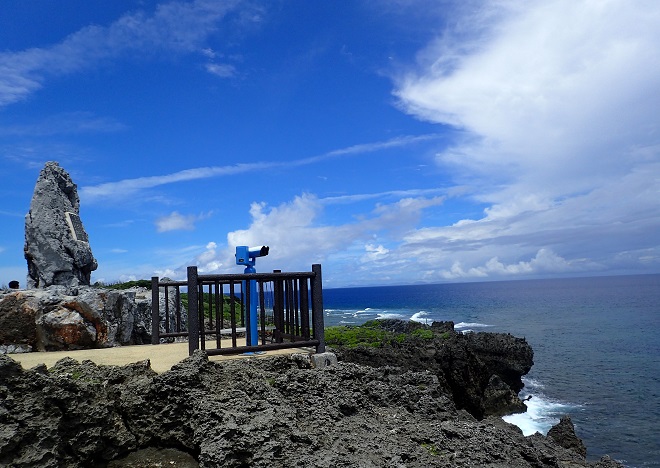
(393, 142)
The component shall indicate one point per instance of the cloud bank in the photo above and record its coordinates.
(558, 101)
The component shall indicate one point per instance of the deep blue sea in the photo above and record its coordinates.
(596, 348)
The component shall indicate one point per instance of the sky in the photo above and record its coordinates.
(392, 141)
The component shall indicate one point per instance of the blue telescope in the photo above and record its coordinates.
(248, 256)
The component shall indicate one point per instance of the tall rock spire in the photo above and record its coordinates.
(57, 247)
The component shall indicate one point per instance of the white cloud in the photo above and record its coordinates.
(374, 253)
(178, 222)
(352, 198)
(208, 52)
(207, 261)
(545, 261)
(66, 123)
(172, 27)
(168, 273)
(223, 70)
(556, 93)
(558, 104)
(297, 238)
(130, 187)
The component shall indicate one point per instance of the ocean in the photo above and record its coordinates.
(596, 348)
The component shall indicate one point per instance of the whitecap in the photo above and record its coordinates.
(384, 316)
(368, 310)
(542, 413)
(420, 317)
(470, 325)
(532, 384)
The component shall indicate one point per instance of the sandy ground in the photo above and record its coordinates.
(162, 356)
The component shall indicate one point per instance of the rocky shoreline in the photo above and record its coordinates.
(388, 407)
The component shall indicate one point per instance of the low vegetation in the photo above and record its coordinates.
(375, 333)
(127, 285)
(208, 300)
(210, 305)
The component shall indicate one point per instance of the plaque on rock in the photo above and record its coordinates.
(76, 227)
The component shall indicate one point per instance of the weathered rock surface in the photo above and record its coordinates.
(269, 412)
(53, 319)
(54, 256)
(17, 320)
(482, 371)
(564, 434)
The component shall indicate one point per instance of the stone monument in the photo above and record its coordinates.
(57, 247)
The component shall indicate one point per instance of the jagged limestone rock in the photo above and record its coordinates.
(57, 249)
(265, 412)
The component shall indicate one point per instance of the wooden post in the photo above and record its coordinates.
(317, 308)
(155, 312)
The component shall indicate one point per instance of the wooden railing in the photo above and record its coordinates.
(289, 311)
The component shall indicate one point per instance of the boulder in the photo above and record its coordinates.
(53, 318)
(57, 247)
(64, 328)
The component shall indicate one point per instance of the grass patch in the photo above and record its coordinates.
(351, 337)
(373, 334)
(433, 449)
(423, 333)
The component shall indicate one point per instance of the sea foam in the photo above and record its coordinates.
(383, 316)
(421, 317)
(542, 412)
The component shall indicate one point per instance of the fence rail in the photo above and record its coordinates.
(289, 311)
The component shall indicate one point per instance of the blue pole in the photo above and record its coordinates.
(252, 335)
(248, 256)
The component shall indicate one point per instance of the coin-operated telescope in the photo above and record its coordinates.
(248, 256)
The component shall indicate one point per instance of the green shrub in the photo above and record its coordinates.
(226, 305)
(371, 333)
(356, 336)
(423, 333)
(127, 285)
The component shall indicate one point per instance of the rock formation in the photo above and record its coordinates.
(57, 247)
(258, 412)
(482, 371)
(52, 319)
(563, 434)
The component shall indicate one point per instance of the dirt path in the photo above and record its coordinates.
(162, 356)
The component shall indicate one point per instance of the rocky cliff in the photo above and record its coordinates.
(481, 371)
(257, 412)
